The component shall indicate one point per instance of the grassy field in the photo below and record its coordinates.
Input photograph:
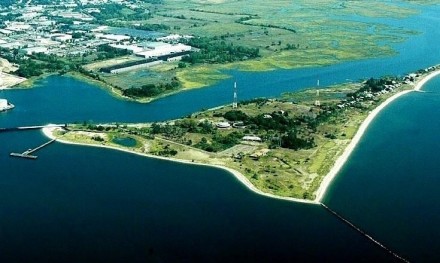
(96, 66)
(288, 34)
(325, 32)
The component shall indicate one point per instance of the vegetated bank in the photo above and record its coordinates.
(283, 147)
(267, 37)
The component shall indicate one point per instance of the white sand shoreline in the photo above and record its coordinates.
(47, 131)
(326, 182)
(320, 193)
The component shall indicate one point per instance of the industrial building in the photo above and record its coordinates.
(157, 49)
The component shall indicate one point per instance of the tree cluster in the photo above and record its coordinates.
(220, 142)
(151, 90)
(107, 52)
(278, 122)
(212, 51)
(375, 85)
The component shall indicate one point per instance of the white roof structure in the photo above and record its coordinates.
(223, 125)
(5, 31)
(34, 50)
(252, 138)
(61, 37)
(164, 49)
(133, 48)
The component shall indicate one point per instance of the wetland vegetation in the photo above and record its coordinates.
(227, 35)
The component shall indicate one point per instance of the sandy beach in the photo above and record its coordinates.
(48, 131)
(347, 152)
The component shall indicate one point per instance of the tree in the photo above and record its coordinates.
(236, 115)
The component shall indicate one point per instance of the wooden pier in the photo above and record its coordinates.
(28, 154)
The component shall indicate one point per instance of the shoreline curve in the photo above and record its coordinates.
(327, 180)
(340, 162)
(47, 131)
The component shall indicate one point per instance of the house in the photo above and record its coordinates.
(34, 50)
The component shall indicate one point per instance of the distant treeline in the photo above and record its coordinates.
(151, 90)
(213, 51)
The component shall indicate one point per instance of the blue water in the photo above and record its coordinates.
(125, 141)
(395, 170)
(82, 204)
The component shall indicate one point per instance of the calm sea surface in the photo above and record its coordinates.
(83, 204)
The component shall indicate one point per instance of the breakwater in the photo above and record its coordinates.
(362, 232)
(24, 128)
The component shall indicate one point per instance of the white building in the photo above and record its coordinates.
(61, 37)
(12, 45)
(18, 27)
(252, 138)
(132, 48)
(162, 49)
(223, 125)
(5, 32)
(34, 50)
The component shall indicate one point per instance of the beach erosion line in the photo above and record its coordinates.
(320, 193)
(326, 182)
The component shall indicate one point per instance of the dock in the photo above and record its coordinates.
(28, 153)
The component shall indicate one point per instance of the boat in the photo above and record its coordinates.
(5, 105)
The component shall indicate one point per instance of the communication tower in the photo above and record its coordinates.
(234, 102)
(317, 101)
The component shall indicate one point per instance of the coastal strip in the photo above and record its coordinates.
(362, 129)
(49, 130)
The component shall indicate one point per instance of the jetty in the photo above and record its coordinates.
(24, 128)
(365, 234)
(28, 154)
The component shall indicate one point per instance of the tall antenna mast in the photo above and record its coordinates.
(317, 101)
(234, 103)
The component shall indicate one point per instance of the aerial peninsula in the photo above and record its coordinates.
(289, 148)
